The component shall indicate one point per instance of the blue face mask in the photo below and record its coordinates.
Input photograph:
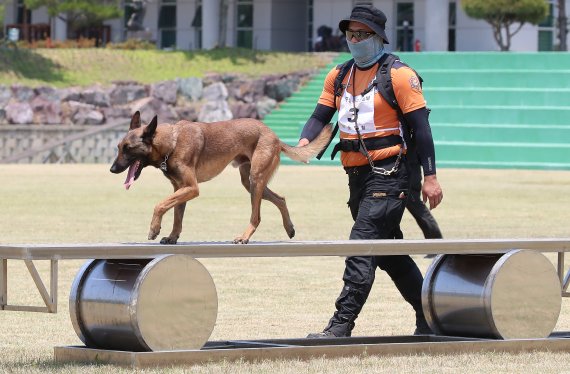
(367, 52)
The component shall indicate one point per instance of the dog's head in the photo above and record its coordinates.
(135, 149)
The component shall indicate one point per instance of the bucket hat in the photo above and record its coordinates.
(368, 15)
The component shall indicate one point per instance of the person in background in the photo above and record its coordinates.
(415, 204)
(374, 159)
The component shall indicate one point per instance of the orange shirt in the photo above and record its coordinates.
(408, 93)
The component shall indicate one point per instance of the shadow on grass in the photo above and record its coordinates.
(27, 64)
(237, 56)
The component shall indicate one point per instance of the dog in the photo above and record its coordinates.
(189, 153)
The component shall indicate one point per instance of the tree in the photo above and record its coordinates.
(1, 21)
(506, 17)
(79, 13)
(562, 25)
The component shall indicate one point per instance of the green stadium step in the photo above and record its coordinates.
(500, 114)
(501, 133)
(503, 154)
(493, 78)
(498, 96)
(487, 60)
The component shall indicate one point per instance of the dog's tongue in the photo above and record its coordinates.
(131, 175)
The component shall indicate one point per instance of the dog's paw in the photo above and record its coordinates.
(152, 234)
(291, 233)
(168, 240)
(241, 240)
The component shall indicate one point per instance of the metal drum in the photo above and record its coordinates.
(516, 295)
(166, 303)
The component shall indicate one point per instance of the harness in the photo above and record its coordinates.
(383, 84)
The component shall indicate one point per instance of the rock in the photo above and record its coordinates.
(243, 110)
(215, 92)
(282, 88)
(19, 113)
(191, 87)
(22, 93)
(214, 111)
(46, 112)
(5, 95)
(265, 106)
(49, 93)
(166, 92)
(96, 97)
(126, 93)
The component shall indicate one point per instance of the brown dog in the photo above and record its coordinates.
(189, 153)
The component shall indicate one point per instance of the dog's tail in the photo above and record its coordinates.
(305, 153)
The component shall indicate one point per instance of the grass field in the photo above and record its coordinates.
(262, 297)
(84, 67)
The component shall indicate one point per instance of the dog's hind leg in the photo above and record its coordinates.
(266, 194)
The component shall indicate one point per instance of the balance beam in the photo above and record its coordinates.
(66, 251)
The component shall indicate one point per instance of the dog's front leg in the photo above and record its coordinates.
(181, 196)
(177, 225)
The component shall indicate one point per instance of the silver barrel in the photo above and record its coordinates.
(505, 296)
(166, 303)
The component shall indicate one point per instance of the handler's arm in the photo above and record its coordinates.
(320, 117)
(418, 121)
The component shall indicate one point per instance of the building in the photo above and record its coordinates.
(286, 25)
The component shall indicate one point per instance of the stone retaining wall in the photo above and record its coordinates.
(33, 117)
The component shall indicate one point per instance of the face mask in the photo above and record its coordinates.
(367, 52)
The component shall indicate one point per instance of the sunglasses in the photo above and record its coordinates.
(358, 35)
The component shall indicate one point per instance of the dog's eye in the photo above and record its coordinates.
(125, 147)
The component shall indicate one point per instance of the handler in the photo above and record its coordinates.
(378, 177)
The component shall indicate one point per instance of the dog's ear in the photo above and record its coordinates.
(135, 121)
(149, 130)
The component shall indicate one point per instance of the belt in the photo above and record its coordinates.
(365, 169)
(354, 145)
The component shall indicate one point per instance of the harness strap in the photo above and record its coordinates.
(354, 145)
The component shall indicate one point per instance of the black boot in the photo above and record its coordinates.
(410, 287)
(348, 305)
(338, 327)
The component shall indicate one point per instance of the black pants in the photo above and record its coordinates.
(377, 203)
(416, 206)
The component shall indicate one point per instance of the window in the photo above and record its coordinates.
(167, 24)
(546, 31)
(405, 26)
(452, 26)
(24, 14)
(310, 26)
(197, 25)
(244, 23)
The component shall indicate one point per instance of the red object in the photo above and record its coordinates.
(417, 46)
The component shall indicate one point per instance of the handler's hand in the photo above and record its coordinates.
(431, 190)
(303, 142)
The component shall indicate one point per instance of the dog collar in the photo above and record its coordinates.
(163, 165)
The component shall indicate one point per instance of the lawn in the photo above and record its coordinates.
(263, 297)
(85, 67)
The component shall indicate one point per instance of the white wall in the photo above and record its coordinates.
(262, 24)
(329, 13)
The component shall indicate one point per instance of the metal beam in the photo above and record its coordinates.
(310, 348)
(280, 248)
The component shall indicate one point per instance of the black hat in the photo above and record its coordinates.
(368, 15)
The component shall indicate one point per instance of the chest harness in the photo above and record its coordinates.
(383, 84)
